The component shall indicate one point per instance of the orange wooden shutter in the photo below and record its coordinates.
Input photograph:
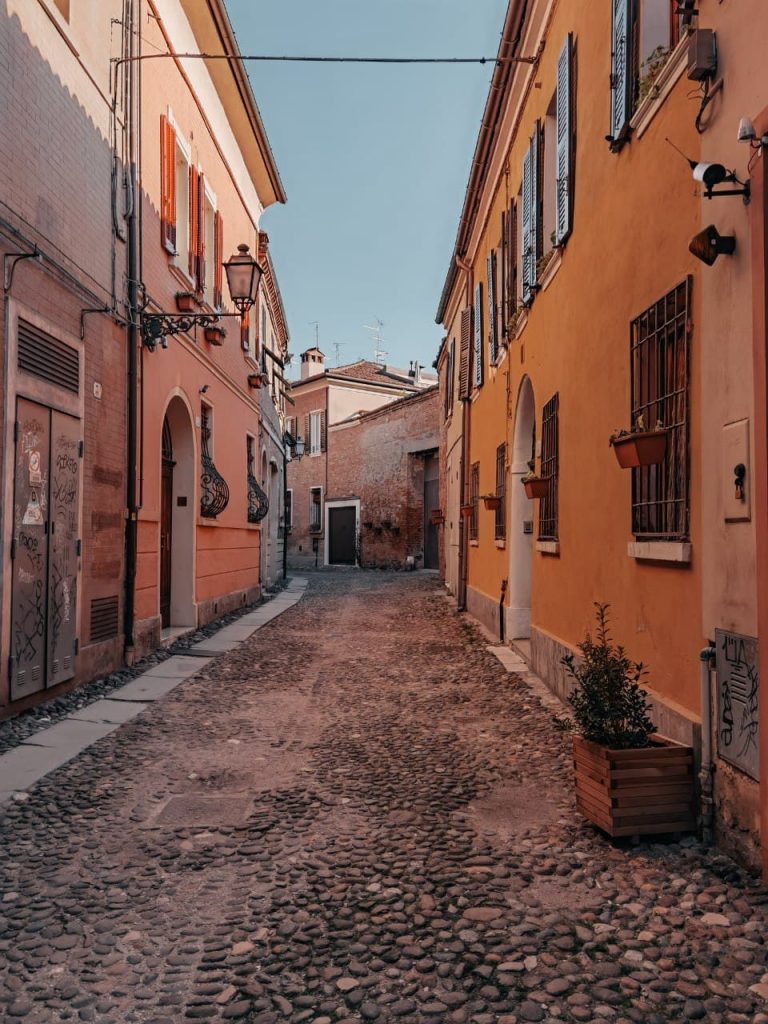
(200, 268)
(218, 257)
(167, 184)
(193, 226)
(245, 322)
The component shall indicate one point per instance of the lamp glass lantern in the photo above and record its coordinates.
(243, 277)
(298, 448)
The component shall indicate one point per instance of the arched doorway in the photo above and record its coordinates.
(521, 516)
(177, 518)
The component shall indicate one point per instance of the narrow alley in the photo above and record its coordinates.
(357, 814)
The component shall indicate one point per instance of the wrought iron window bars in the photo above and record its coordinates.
(214, 492)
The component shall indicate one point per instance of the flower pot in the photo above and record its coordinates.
(644, 448)
(536, 486)
(466, 511)
(492, 501)
(255, 380)
(644, 791)
(185, 302)
(215, 335)
(436, 517)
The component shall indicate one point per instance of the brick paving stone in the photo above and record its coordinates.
(402, 846)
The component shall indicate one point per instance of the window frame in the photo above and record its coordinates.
(316, 528)
(500, 525)
(656, 488)
(474, 499)
(549, 524)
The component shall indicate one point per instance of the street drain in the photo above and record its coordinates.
(203, 810)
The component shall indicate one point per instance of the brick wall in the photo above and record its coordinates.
(303, 475)
(379, 459)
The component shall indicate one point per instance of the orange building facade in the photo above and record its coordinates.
(573, 308)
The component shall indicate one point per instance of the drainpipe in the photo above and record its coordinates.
(464, 464)
(285, 510)
(131, 524)
(502, 595)
(706, 772)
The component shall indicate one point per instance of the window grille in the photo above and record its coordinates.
(474, 498)
(214, 492)
(258, 502)
(550, 457)
(315, 509)
(659, 367)
(501, 477)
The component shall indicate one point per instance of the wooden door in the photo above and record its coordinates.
(166, 526)
(63, 544)
(342, 539)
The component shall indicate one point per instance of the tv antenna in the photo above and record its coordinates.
(378, 353)
(316, 325)
(337, 346)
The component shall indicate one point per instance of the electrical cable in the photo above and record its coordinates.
(330, 60)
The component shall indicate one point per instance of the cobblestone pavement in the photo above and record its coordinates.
(356, 815)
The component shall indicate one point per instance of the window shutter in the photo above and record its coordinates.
(620, 72)
(307, 433)
(478, 378)
(512, 257)
(193, 228)
(526, 250)
(466, 340)
(503, 259)
(564, 140)
(536, 201)
(491, 307)
(218, 257)
(323, 432)
(451, 372)
(245, 325)
(201, 264)
(167, 185)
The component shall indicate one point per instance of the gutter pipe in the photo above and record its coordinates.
(706, 771)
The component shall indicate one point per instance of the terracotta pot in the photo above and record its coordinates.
(640, 792)
(255, 380)
(466, 511)
(492, 501)
(537, 486)
(185, 302)
(645, 448)
(215, 335)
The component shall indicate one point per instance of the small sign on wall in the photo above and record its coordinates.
(737, 704)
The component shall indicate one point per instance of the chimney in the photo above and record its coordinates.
(312, 363)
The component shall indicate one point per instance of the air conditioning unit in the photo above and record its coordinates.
(702, 55)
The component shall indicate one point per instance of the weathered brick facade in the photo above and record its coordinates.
(382, 458)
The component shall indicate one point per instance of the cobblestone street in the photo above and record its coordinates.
(358, 814)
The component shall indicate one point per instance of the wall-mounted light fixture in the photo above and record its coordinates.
(709, 244)
(244, 275)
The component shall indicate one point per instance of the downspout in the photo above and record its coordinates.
(502, 595)
(285, 510)
(464, 465)
(706, 771)
(131, 524)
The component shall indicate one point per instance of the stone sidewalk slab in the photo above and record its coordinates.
(150, 688)
(107, 710)
(71, 736)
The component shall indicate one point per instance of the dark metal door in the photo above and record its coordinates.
(431, 501)
(63, 547)
(166, 525)
(342, 540)
(29, 549)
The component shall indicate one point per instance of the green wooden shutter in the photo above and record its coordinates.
(478, 378)
(621, 72)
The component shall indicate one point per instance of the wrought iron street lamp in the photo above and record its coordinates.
(244, 275)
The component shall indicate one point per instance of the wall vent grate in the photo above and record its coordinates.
(104, 618)
(46, 357)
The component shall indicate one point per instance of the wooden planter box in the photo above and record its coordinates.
(492, 502)
(215, 335)
(185, 302)
(636, 792)
(646, 448)
(537, 487)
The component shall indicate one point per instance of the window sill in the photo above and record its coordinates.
(551, 269)
(548, 547)
(500, 543)
(678, 552)
(519, 327)
(661, 88)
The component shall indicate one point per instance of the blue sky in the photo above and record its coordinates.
(374, 160)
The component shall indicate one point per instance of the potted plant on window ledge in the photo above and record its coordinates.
(492, 501)
(629, 780)
(467, 510)
(640, 447)
(535, 486)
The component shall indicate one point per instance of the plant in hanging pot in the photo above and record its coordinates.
(492, 501)
(186, 302)
(467, 510)
(215, 335)
(641, 446)
(629, 780)
(535, 486)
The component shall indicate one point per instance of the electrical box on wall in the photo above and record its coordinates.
(735, 472)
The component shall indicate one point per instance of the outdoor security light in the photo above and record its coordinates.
(746, 131)
(243, 277)
(709, 244)
(298, 448)
(716, 174)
